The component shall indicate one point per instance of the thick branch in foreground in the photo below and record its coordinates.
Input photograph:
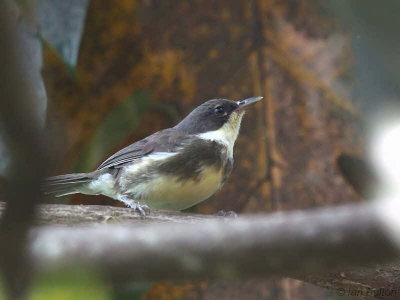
(293, 244)
(321, 246)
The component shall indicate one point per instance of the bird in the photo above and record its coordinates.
(172, 169)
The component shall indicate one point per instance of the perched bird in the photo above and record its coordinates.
(172, 169)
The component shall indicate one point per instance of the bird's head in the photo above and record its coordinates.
(216, 119)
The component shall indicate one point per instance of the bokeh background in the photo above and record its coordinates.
(117, 71)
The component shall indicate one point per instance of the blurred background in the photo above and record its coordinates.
(112, 72)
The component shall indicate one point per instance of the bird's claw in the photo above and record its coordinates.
(143, 210)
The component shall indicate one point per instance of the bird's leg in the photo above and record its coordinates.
(143, 210)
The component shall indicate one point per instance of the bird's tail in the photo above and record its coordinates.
(66, 184)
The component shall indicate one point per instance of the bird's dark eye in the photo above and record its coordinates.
(219, 110)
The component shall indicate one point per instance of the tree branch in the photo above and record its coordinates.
(176, 245)
(60, 214)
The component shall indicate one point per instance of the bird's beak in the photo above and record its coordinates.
(245, 102)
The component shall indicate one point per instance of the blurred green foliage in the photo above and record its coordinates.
(66, 285)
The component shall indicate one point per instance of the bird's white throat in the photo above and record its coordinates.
(227, 134)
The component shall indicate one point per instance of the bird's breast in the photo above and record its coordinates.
(171, 192)
(181, 180)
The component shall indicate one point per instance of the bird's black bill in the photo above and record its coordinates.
(245, 102)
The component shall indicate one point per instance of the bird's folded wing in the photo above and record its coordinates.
(168, 140)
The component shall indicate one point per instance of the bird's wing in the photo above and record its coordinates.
(167, 140)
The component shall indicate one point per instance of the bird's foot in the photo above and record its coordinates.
(143, 210)
(227, 214)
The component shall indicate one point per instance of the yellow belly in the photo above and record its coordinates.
(166, 192)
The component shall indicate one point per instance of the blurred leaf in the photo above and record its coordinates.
(61, 25)
(360, 174)
(117, 126)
